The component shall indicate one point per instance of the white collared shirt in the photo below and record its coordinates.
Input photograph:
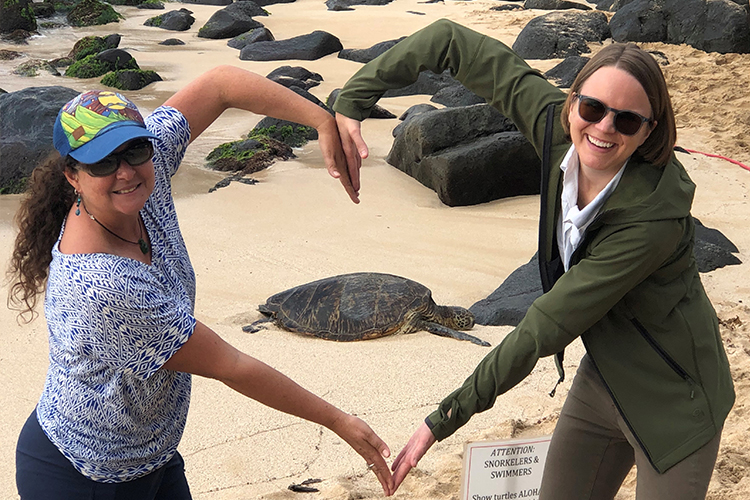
(572, 223)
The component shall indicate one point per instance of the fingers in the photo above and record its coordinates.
(335, 159)
(354, 146)
(369, 445)
(401, 471)
(383, 473)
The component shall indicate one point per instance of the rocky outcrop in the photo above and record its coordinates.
(347, 4)
(295, 76)
(16, 15)
(26, 131)
(304, 47)
(561, 34)
(564, 74)
(232, 20)
(508, 304)
(91, 13)
(467, 155)
(174, 20)
(254, 35)
(554, 5)
(709, 25)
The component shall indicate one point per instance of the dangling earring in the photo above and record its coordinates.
(78, 203)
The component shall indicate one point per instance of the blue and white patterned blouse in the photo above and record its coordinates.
(113, 322)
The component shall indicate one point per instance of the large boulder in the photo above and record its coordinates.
(93, 44)
(28, 116)
(174, 20)
(232, 20)
(305, 47)
(295, 76)
(130, 79)
(454, 96)
(252, 36)
(565, 73)
(347, 4)
(208, 2)
(640, 21)
(92, 13)
(554, 5)
(561, 34)
(101, 64)
(16, 15)
(468, 155)
(508, 304)
(709, 25)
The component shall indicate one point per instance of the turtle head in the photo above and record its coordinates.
(459, 318)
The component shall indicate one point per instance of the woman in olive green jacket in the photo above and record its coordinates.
(616, 258)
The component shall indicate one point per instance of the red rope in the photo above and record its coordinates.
(720, 157)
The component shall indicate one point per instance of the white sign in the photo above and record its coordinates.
(504, 470)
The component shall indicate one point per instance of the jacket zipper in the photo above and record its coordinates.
(619, 409)
(666, 357)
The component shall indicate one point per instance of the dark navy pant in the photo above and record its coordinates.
(43, 473)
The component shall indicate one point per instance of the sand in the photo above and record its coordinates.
(297, 225)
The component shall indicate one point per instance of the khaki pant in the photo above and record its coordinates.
(592, 450)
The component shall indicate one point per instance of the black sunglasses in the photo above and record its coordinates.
(593, 110)
(137, 153)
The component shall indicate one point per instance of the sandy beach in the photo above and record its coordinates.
(296, 225)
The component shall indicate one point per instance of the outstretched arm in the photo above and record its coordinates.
(206, 354)
(204, 99)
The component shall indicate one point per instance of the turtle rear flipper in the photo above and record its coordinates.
(253, 327)
(444, 331)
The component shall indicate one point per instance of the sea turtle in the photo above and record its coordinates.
(363, 306)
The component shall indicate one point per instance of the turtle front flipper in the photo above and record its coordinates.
(444, 331)
(253, 327)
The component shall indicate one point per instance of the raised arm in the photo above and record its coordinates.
(206, 354)
(484, 65)
(204, 99)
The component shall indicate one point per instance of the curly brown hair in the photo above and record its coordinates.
(46, 202)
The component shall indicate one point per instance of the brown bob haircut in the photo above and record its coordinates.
(641, 65)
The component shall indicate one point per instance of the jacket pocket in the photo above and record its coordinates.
(664, 355)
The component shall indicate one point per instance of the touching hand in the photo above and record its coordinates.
(335, 160)
(418, 444)
(354, 146)
(363, 439)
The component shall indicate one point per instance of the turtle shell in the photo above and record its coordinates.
(347, 307)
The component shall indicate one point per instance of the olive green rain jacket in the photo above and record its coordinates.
(632, 292)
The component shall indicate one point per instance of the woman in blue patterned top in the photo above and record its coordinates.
(99, 235)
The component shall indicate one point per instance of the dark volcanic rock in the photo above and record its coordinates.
(347, 4)
(508, 304)
(305, 47)
(468, 155)
(17, 15)
(252, 36)
(232, 20)
(713, 26)
(367, 55)
(554, 5)
(174, 20)
(456, 95)
(26, 131)
(561, 34)
(565, 72)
